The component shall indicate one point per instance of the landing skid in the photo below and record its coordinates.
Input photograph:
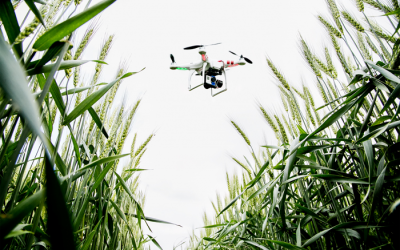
(190, 80)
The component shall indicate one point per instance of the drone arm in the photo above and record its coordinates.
(179, 66)
(190, 66)
(233, 64)
(240, 62)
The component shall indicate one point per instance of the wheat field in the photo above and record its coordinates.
(331, 180)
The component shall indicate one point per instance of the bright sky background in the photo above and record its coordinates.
(195, 141)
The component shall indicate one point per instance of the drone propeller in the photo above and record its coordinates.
(245, 58)
(193, 47)
(172, 58)
(198, 46)
(233, 53)
(248, 60)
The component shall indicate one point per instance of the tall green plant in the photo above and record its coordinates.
(60, 145)
(333, 181)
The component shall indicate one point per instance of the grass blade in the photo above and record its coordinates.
(123, 184)
(61, 236)
(154, 241)
(76, 147)
(369, 151)
(89, 238)
(255, 244)
(92, 99)
(309, 149)
(78, 90)
(59, 162)
(64, 65)
(139, 210)
(287, 245)
(102, 160)
(333, 118)
(231, 203)
(395, 94)
(35, 11)
(10, 220)
(384, 72)
(269, 185)
(10, 24)
(51, 53)
(377, 193)
(122, 216)
(14, 84)
(55, 92)
(65, 28)
(98, 122)
(286, 173)
(101, 176)
(298, 236)
(151, 219)
(338, 178)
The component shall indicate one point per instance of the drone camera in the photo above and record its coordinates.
(213, 79)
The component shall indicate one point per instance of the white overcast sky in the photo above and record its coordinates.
(194, 139)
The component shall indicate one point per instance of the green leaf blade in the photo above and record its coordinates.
(65, 28)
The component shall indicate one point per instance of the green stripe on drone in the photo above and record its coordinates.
(182, 68)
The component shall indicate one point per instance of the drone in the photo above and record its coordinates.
(209, 69)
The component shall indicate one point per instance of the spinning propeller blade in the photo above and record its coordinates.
(193, 47)
(233, 53)
(248, 60)
(198, 46)
(212, 44)
(172, 58)
(245, 58)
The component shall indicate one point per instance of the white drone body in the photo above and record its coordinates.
(209, 69)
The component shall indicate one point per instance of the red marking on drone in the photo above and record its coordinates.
(203, 56)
